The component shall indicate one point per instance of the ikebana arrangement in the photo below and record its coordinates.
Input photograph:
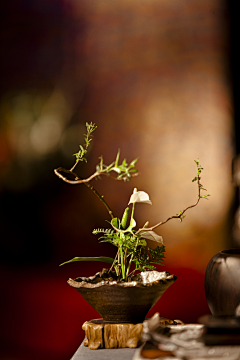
(130, 287)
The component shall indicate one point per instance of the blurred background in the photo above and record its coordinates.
(159, 78)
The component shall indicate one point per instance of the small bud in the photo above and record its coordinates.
(146, 224)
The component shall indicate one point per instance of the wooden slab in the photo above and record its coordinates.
(110, 336)
(101, 335)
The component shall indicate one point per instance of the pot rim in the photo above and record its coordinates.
(81, 282)
(233, 251)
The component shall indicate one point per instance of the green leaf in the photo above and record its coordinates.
(105, 231)
(125, 218)
(124, 163)
(132, 224)
(117, 158)
(142, 242)
(116, 169)
(94, 258)
(205, 196)
(115, 223)
(133, 163)
(108, 168)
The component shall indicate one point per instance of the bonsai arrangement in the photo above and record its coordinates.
(131, 243)
(130, 287)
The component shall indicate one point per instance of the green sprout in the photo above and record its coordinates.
(88, 138)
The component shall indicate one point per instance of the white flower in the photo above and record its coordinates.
(151, 235)
(139, 196)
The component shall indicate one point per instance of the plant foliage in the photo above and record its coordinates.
(133, 253)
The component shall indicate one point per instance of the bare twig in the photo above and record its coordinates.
(71, 170)
(79, 180)
(179, 216)
(114, 260)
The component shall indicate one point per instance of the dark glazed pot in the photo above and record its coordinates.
(222, 282)
(122, 301)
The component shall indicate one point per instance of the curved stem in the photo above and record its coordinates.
(77, 180)
(175, 216)
(74, 166)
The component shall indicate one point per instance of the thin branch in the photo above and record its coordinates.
(101, 199)
(125, 257)
(114, 260)
(71, 170)
(79, 180)
(179, 216)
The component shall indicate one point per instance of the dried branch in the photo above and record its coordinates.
(77, 180)
(124, 171)
(181, 213)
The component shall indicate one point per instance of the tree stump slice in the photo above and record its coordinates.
(109, 336)
(101, 334)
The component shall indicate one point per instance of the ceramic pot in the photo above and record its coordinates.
(123, 302)
(222, 283)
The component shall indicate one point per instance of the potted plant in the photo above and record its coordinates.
(127, 290)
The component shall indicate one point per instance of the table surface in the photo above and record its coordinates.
(196, 353)
(85, 353)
